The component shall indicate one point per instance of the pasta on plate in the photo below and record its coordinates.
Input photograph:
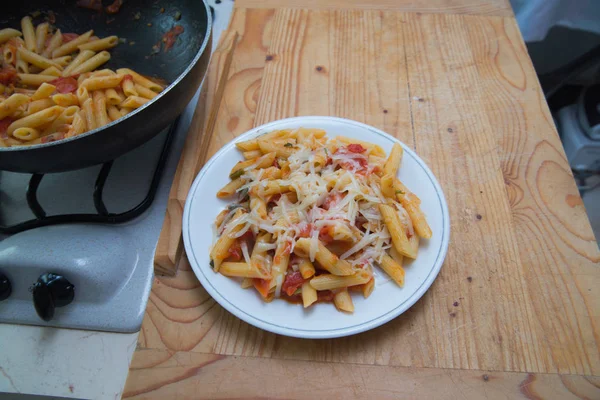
(313, 217)
(51, 88)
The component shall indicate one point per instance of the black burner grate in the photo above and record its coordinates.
(102, 215)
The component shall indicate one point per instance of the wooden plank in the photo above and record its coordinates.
(500, 8)
(456, 137)
(336, 63)
(489, 308)
(553, 233)
(169, 248)
(237, 112)
(198, 148)
(516, 291)
(512, 328)
(160, 374)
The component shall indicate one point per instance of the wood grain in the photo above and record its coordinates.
(500, 8)
(516, 293)
(160, 374)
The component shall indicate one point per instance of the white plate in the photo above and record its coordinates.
(322, 320)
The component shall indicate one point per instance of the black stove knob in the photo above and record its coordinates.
(51, 291)
(5, 287)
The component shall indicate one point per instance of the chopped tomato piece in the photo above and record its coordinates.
(95, 5)
(356, 148)
(293, 280)
(235, 251)
(170, 37)
(305, 231)
(325, 296)
(331, 200)
(262, 286)
(325, 236)
(4, 124)
(114, 7)
(248, 235)
(65, 85)
(8, 76)
(67, 37)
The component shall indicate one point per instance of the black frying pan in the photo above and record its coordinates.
(143, 23)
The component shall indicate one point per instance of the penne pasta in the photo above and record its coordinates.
(102, 82)
(242, 270)
(250, 154)
(43, 92)
(26, 134)
(90, 118)
(144, 92)
(343, 301)
(141, 80)
(230, 189)
(77, 61)
(367, 288)
(82, 94)
(37, 119)
(134, 102)
(393, 162)
(41, 33)
(53, 71)
(34, 80)
(70, 47)
(330, 281)
(326, 259)
(78, 126)
(113, 97)
(92, 63)
(128, 86)
(28, 33)
(8, 33)
(306, 268)
(39, 105)
(65, 99)
(113, 113)
(99, 106)
(63, 61)
(21, 65)
(9, 54)
(280, 149)
(393, 269)
(309, 294)
(11, 104)
(56, 70)
(248, 145)
(397, 231)
(100, 44)
(53, 44)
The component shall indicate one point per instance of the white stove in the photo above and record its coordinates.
(108, 266)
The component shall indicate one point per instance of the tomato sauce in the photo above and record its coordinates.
(65, 85)
(170, 37)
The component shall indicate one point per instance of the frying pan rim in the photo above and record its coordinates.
(207, 37)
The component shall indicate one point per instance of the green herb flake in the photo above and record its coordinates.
(400, 192)
(236, 174)
(212, 264)
(317, 164)
(288, 145)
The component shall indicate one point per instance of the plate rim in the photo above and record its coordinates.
(311, 333)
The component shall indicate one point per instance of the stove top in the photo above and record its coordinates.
(110, 266)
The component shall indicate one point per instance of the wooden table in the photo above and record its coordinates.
(515, 311)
